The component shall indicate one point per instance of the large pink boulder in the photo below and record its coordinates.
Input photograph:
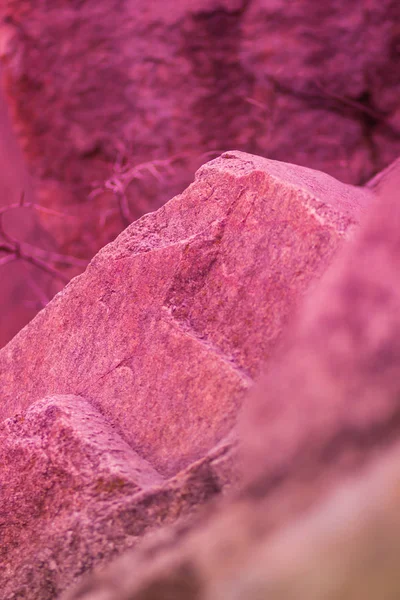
(169, 325)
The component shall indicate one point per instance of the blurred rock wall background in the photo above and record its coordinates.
(97, 88)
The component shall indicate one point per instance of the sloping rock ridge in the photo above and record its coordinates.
(169, 316)
(121, 397)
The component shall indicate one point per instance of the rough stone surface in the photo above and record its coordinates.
(165, 330)
(310, 83)
(319, 514)
(74, 494)
(95, 87)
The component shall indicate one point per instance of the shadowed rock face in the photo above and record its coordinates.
(326, 417)
(255, 75)
(137, 369)
(14, 176)
(345, 548)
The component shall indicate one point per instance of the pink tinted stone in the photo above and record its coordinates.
(73, 494)
(169, 324)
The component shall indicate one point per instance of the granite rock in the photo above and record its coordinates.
(335, 391)
(121, 398)
(345, 548)
(166, 329)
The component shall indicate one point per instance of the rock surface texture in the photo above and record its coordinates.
(121, 398)
(310, 83)
(97, 88)
(74, 494)
(319, 515)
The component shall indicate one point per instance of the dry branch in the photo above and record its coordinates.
(122, 177)
(14, 249)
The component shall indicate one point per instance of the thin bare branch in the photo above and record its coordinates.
(42, 259)
(7, 259)
(350, 102)
(64, 259)
(37, 289)
(55, 213)
(122, 177)
(41, 264)
(37, 207)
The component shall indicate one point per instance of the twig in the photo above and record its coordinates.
(42, 259)
(37, 207)
(43, 298)
(41, 264)
(350, 102)
(8, 258)
(122, 178)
